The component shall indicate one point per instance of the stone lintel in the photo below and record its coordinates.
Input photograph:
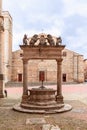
(47, 52)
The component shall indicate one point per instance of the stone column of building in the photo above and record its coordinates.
(59, 97)
(25, 81)
(0, 7)
(1, 31)
(80, 70)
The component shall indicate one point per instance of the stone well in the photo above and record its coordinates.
(42, 100)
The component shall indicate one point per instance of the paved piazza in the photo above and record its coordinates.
(76, 119)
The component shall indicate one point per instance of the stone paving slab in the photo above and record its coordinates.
(50, 127)
(41, 121)
(35, 121)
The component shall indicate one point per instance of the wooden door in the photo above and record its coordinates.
(20, 77)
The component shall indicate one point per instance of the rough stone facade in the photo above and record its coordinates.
(85, 70)
(72, 68)
(5, 47)
(6, 53)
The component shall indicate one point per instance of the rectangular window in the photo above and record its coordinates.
(64, 78)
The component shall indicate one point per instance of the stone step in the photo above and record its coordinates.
(39, 107)
(66, 108)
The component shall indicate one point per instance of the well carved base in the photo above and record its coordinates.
(41, 101)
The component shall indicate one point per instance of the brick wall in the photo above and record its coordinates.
(72, 67)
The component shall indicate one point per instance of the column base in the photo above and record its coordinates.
(59, 99)
(1, 86)
(1, 96)
(24, 99)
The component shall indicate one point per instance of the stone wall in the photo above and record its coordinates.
(73, 66)
(7, 46)
(85, 70)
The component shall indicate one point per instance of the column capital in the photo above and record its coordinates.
(25, 60)
(59, 60)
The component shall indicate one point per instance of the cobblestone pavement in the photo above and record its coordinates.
(76, 119)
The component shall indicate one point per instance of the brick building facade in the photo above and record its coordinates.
(72, 68)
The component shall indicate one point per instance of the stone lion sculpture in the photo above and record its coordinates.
(58, 41)
(50, 40)
(25, 40)
(33, 40)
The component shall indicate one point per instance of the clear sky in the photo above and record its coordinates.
(65, 18)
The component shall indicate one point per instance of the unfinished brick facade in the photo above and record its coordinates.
(72, 68)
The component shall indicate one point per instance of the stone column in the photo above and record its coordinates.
(1, 74)
(1, 86)
(25, 81)
(59, 97)
(1, 32)
(0, 7)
